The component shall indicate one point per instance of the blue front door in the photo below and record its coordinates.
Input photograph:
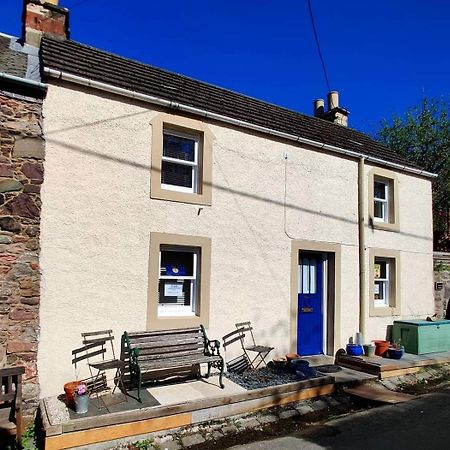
(310, 298)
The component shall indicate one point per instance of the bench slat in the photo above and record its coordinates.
(164, 338)
(169, 349)
(177, 362)
(135, 334)
(165, 343)
(169, 355)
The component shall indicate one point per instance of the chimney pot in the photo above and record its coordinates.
(319, 107)
(333, 100)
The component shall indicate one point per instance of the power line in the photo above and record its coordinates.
(316, 37)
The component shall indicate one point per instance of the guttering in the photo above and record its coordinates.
(210, 115)
(24, 81)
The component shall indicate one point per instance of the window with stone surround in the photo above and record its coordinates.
(179, 278)
(181, 160)
(384, 289)
(383, 200)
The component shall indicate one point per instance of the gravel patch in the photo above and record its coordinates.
(264, 377)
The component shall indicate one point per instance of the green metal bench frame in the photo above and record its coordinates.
(169, 349)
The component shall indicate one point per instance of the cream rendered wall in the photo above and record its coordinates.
(415, 243)
(97, 217)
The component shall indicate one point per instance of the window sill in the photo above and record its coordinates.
(384, 311)
(175, 314)
(180, 197)
(378, 225)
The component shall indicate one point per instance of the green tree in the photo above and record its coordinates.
(422, 135)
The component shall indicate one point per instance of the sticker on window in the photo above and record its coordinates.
(173, 290)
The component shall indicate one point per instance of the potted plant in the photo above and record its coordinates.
(397, 350)
(81, 398)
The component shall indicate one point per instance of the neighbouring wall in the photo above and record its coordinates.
(21, 175)
(442, 283)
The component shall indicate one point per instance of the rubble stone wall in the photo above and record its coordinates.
(441, 275)
(21, 177)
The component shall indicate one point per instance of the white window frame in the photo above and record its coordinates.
(385, 284)
(384, 202)
(181, 310)
(193, 164)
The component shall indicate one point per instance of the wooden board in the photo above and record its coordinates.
(95, 435)
(86, 423)
(378, 393)
(108, 433)
(398, 372)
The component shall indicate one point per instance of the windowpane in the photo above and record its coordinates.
(176, 174)
(380, 190)
(382, 282)
(175, 292)
(305, 276)
(312, 276)
(177, 263)
(379, 209)
(179, 147)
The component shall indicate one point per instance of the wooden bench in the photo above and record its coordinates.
(11, 403)
(170, 349)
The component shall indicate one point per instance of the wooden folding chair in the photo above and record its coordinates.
(261, 350)
(241, 363)
(11, 404)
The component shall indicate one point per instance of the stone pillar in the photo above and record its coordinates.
(21, 177)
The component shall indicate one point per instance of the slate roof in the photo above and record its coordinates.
(88, 62)
(12, 62)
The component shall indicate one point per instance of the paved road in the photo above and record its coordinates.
(422, 424)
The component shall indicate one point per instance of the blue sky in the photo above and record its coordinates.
(382, 55)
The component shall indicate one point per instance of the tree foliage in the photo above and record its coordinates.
(422, 135)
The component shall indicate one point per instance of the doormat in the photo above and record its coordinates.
(328, 368)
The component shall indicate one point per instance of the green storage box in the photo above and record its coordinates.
(420, 336)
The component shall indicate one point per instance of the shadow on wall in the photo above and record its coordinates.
(290, 206)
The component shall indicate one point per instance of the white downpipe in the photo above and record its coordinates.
(201, 112)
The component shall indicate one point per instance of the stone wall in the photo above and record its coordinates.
(21, 176)
(442, 275)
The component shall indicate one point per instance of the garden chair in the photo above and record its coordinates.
(11, 404)
(94, 351)
(241, 363)
(261, 351)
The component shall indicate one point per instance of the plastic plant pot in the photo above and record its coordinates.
(396, 353)
(369, 350)
(354, 350)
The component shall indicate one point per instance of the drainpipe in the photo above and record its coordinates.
(362, 246)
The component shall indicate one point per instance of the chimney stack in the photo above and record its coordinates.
(43, 17)
(335, 113)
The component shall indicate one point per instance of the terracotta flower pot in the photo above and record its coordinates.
(69, 389)
(381, 347)
(291, 356)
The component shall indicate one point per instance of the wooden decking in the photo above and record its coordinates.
(213, 404)
(385, 367)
